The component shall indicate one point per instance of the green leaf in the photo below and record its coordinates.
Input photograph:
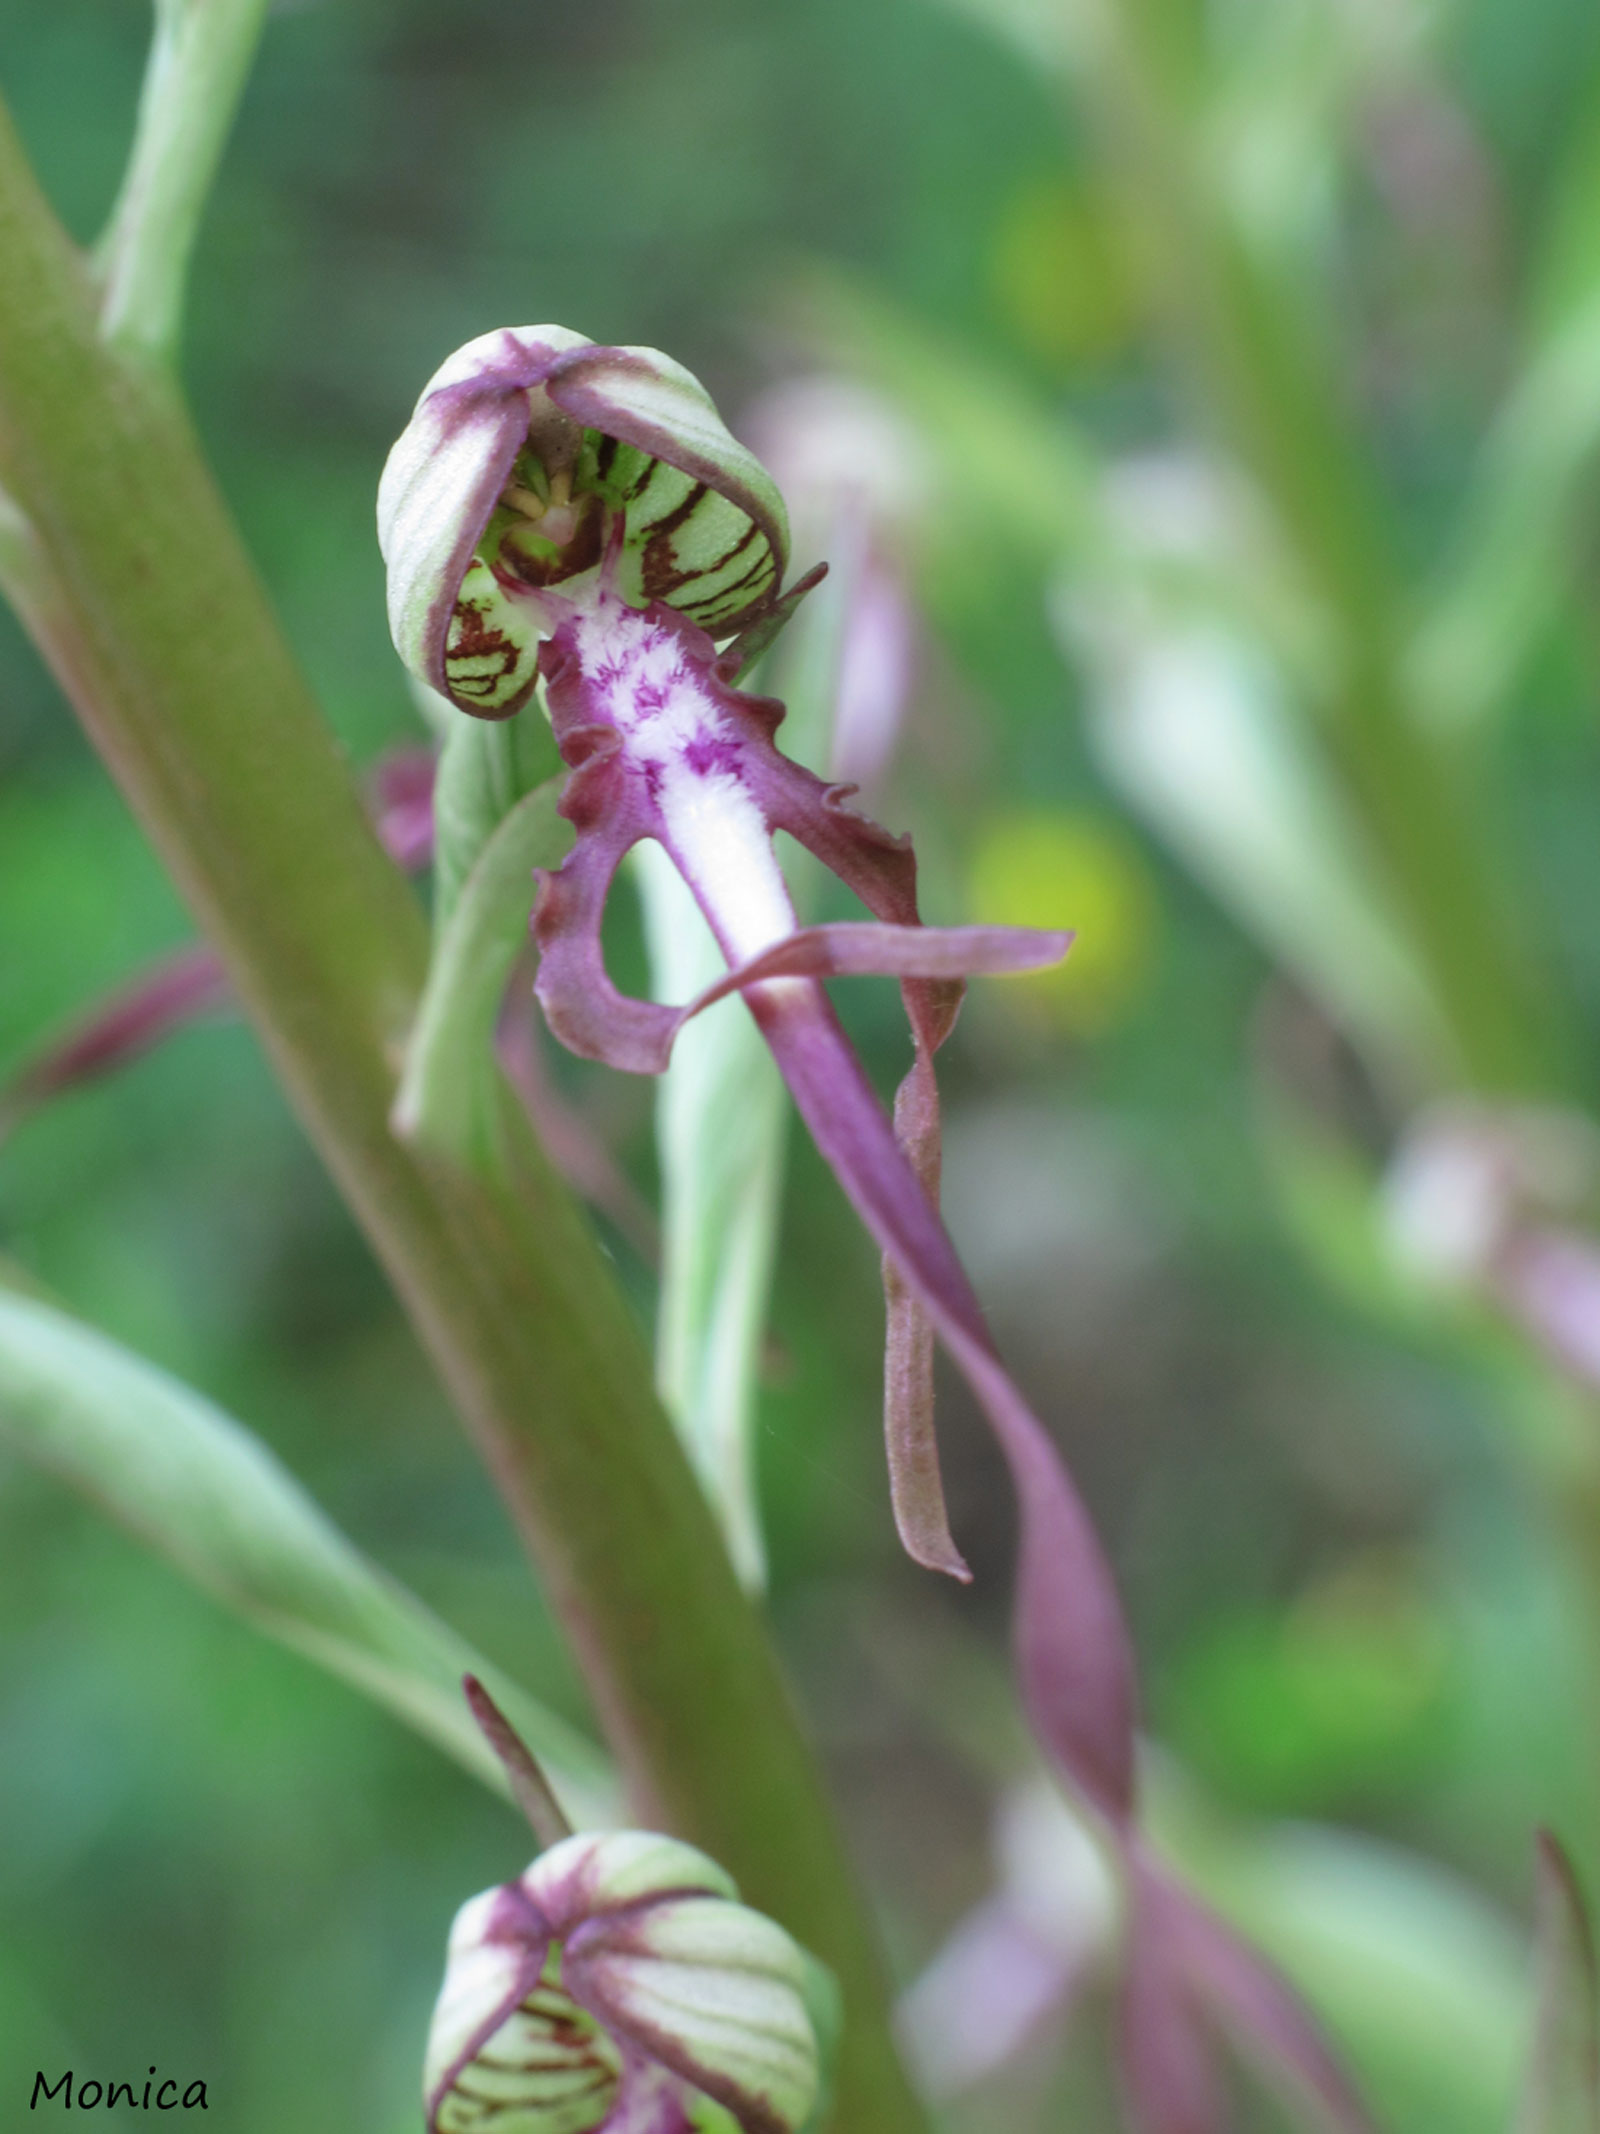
(721, 1115)
(1512, 571)
(1198, 731)
(825, 2007)
(1561, 2094)
(449, 1098)
(485, 768)
(1394, 1953)
(208, 1495)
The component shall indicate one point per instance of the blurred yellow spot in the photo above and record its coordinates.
(1057, 276)
(1038, 867)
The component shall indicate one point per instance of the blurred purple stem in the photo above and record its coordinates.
(182, 987)
(127, 1023)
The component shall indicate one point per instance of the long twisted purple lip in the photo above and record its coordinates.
(663, 746)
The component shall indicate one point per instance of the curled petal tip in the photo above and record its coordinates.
(936, 1554)
(916, 1487)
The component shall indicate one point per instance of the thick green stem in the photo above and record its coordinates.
(161, 635)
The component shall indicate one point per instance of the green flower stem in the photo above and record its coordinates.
(1241, 329)
(162, 637)
(199, 60)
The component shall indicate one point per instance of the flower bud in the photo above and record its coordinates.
(532, 453)
(619, 1985)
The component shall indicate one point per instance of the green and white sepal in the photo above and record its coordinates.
(620, 1987)
(525, 451)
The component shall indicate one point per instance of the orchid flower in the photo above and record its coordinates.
(576, 519)
(1497, 1203)
(855, 476)
(574, 522)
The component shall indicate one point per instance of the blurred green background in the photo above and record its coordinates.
(1245, 359)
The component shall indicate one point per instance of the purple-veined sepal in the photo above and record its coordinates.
(525, 451)
(620, 1987)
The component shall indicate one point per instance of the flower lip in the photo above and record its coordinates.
(472, 479)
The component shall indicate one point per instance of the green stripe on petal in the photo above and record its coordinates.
(545, 2065)
(549, 2069)
(491, 654)
(442, 482)
(520, 450)
(622, 1960)
(713, 541)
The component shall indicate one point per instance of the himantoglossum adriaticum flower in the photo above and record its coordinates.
(576, 518)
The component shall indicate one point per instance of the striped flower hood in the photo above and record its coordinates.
(526, 450)
(620, 1987)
